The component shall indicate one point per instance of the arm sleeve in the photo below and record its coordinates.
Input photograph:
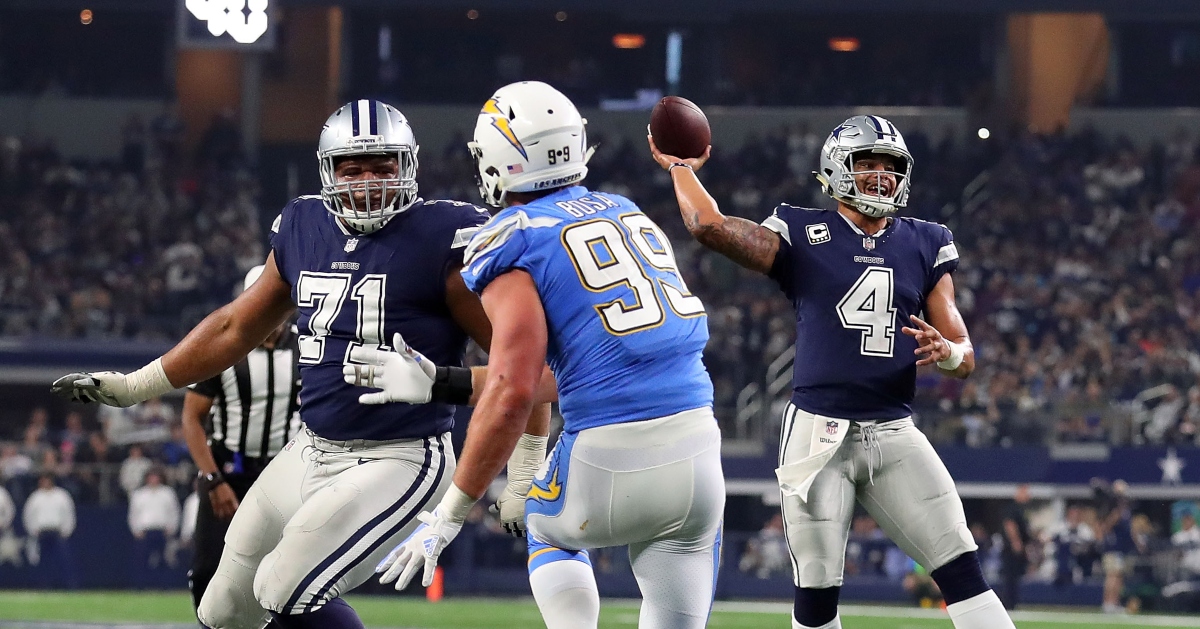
(278, 236)
(945, 258)
(470, 220)
(499, 247)
(210, 388)
(782, 269)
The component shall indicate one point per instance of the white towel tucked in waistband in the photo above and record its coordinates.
(796, 477)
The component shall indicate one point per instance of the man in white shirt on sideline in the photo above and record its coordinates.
(1187, 540)
(10, 546)
(134, 469)
(49, 518)
(153, 520)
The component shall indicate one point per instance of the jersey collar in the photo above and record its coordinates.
(886, 228)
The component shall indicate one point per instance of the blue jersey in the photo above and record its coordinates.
(852, 294)
(625, 335)
(355, 291)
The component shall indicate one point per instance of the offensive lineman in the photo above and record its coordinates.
(853, 275)
(363, 261)
(586, 281)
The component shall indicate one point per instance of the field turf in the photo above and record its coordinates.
(173, 610)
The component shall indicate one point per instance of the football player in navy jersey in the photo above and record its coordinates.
(364, 261)
(855, 275)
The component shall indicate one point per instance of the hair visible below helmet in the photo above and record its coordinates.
(870, 134)
(528, 137)
(368, 128)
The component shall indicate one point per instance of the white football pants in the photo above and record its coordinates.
(898, 478)
(653, 485)
(318, 520)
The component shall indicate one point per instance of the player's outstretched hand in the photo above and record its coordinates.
(422, 548)
(665, 160)
(511, 508)
(105, 387)
(403, 374)
(931, 346)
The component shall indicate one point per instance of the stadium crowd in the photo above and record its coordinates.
(1078, 275)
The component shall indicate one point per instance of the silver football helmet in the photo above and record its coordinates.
(368, 127)
(859, 134)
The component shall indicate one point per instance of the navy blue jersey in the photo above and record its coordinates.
(356, 290)
(625, 336)
(852, 295)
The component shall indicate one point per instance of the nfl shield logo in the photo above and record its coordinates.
(831, 427)
(351, 245)
(869, 243)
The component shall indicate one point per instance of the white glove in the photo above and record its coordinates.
(425, 545)
(114, 388)
(403, 374)
(522, 467)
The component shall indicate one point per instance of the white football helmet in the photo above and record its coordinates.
(368, 127)
(870, 134)
(528, 137)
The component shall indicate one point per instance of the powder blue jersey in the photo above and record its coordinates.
(625, 335)
(852, 294)
(356, 290)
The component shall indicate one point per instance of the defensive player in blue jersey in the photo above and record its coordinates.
(587, 282)
(855, 275)
(363, 261)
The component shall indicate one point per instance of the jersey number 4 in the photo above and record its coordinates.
(867, 306)
(604, 257)
(326, 294)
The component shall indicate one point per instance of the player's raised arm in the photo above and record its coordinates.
(745, 242)
(943, 339)
(219, 341)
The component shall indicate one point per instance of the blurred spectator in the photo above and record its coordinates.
(153, 520)
(94, 466)
(73, 438)
(1141, 587)
(1075, 548)
(1014, 557)
(1117, 524)
(134, 469)
(1187, 541)
(13, 462)
(49, 518)
(10, 545)
(766, 553)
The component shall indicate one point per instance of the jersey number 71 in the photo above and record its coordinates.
(604, 258)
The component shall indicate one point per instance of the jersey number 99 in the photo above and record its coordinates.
(604, 258)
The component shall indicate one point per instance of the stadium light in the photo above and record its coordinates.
(628, 41)
(843, 44)
(984, 133)
(230, 16)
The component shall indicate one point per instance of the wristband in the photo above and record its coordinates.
(451, 385)
(148, 382)
(673, 165)
(525, 461)
(957, 354)
(211, 480)
(455, 505)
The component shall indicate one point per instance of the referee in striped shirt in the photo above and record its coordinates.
(234, 424)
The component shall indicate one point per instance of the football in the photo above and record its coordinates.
(679, 128)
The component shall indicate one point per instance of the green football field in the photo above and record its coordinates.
(172, 610)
